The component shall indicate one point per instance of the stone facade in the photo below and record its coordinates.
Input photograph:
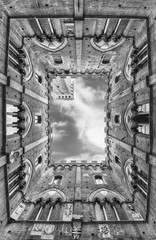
(43, 199)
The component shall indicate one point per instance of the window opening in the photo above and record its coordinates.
(98, 179)
(117, 160)
(117, 119)
(38, 161)
(57, 59)
(38, 119)
(38, 78)
(57, 180)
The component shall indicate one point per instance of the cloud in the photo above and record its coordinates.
(58, 131)
(87, 112)
(56, 153)
(59, 124)
(87, 157)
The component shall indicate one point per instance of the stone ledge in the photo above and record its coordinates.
(152, 160)
(3, 79)
(34, 144)
(152, 79)
(3, 160)
(140, 85)
(35, 95)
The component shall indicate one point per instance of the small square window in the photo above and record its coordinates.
(38, 161)
(38, 78)
(57, 180)
(117, 119)
(117, 160)
(57, 59)
(98, 179)
(38, 119)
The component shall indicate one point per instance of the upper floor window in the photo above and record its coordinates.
(117, 160)
(12, 119)
(143, 128)
(105, 59)
(57, 59)
(143, 118)
(117, 79)
(38, 119)
(57, 180)
(143, 108)
(38, 78)
(117, 119)
(38, 161)
(143, 183)
(98, 179)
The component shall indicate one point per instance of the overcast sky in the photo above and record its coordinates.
(78, 125)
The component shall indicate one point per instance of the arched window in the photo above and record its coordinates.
(143, 118)
(18, 119)
(57, 180)
(13, 182)
(107, 205)
(12, 119)
(98, 179)
(20, 178)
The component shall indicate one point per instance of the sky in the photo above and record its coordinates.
(78, 124)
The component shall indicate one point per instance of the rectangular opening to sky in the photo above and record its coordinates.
(78, 118)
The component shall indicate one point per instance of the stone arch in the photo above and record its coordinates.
(29, 69)
(127, 118)
(103, 46)
(53, 46)
(127, 66)
(51, 192)
(105, 191)
(28, 119)
(128, 173)
(28, 170)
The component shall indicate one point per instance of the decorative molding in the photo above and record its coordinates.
(52, 46)
(29, 66)
(127, 66)
(104, 46)
(152, 79)
(113, 193)
(47, 193)
(34, 144)
(127, 116)
(28, 119)
(35, 95)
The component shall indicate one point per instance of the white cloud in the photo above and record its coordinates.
(59, 130)
(87, 157)
(59, 124)
(56, 153)
(87, 111)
